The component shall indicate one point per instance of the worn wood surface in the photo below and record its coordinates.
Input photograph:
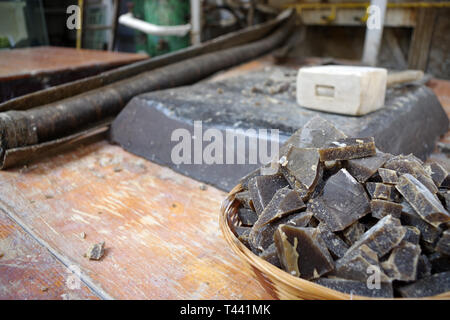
(161, 230)
(29, 271)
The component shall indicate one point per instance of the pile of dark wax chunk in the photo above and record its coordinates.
(339, 212)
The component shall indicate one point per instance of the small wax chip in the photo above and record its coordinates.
(335, 245)
(382, 237)
(248, 217)
(443, 245)
(316, 133)
(382, 208)
(363, 168)
(382, 191)
(244, 199)
(348, 148)
(302, 251)
(245, 180)
(353, 232)
(409, 217)
(423, 267)
(357, 265)
(388, 176)
(357, 288)
(342, 202)
(413, 166)
(439, 262)
(402, 262)
(412, 235)
(430, 286)
(303, 166)
(422, 200)
(437, 172)
(96, 251)
(271, 255)
(263, 188)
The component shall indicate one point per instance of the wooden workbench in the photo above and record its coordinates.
(160, 228)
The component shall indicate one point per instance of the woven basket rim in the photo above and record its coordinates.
(300, 288)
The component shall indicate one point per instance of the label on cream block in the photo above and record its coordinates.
(347, 90)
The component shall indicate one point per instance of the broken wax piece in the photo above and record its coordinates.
(437, 172)
(359, 265)
(388, 176)
(382, 237)
(271, 255)
(443, 245)
(423, 267)
(353, 232)
(335, 245)
(244, 199)
(248, 217)
(303, 166)
(412, 165)
(362, 169)
(402, 262)
(426, 287)
(316, 133)
(245, 180)
(263, 188)
(263, 238)
(96, 251)
(439, 262)
(342, 202)
(358, 288)
(382, 191)
(291, 202)
(382, 208)
(412, 235)
(302, 252)
(422, 200)
(348, 148)
(409, 217)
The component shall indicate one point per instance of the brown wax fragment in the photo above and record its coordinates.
(291, 203)
(358, 288)
(313, 223)
(437, 172)
(388, 176)
(243, 236)
(402, 262)
(423, 267)
(445, 196)
(426, 287)
(413, 166)
(412, 235)
(443, 245)
(422, 200)
(271, 255)
(409, 217)
(263, 238)
(270, 211)
(263, 188)
(248, 217)
(245, 180)
(244, 199)
(362, 169)
(302, 252)
(335, 245)
(382, 191)
(353, 232)
(382, 237)
(348, 148)
(357, 265)
(439, 262)
(382, 208)
(242, 230)
(446, 183)
(96, 251)
(342, 202)
(316, 133)
(302, 167)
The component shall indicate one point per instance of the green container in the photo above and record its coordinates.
(163, 13)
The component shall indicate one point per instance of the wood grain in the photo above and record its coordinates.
(161, 230)
(29, 271)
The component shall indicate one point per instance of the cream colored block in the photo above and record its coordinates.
(347, 90)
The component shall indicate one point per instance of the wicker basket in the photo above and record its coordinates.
(280, 284)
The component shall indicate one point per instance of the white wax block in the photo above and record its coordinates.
(342, 89)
